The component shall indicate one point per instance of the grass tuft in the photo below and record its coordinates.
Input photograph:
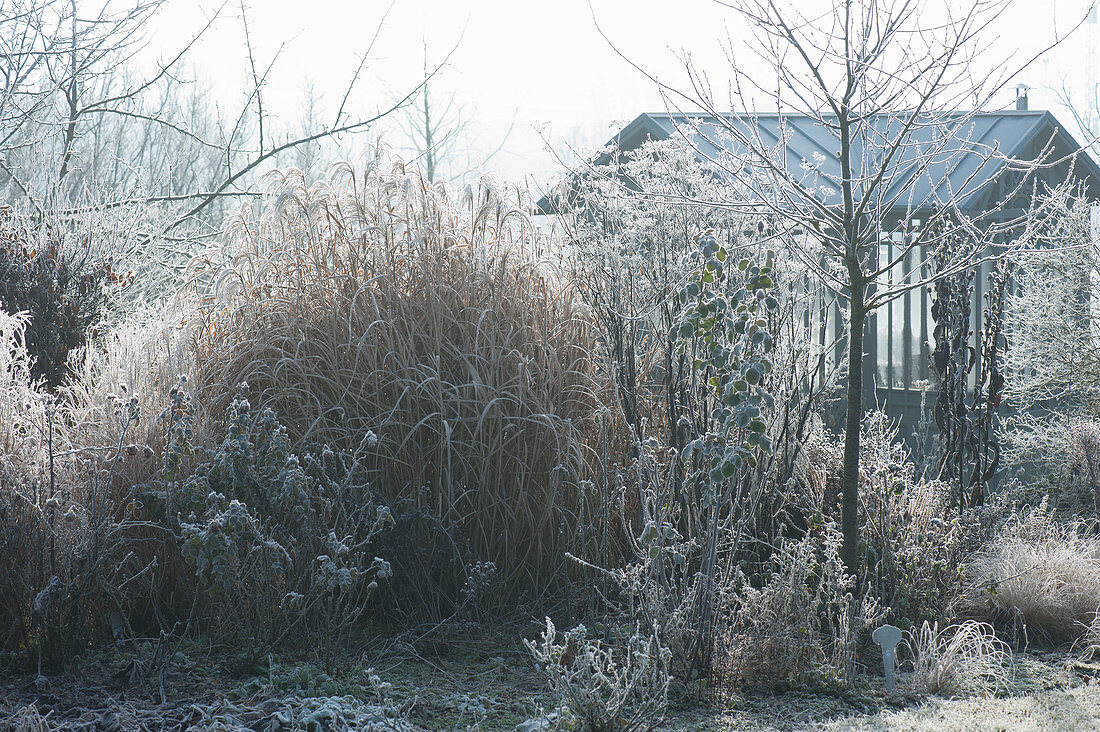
(1042, 573)
(966, 659)
(374, 302)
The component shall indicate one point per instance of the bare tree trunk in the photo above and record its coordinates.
(73, 100)
(849, 501)
(429, 136)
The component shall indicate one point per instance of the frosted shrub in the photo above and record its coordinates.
(61, 281)
(276, 542)
(914, 546)
(603, 688)
(68, 515)
(1083, 458)
(67, 547)
(626, 256)
(1052, 359)
(699, 538)
(22, 406)
(803, 623)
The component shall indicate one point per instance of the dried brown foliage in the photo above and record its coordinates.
(374, 301)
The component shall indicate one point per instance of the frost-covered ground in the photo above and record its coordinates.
(470, 681)
(1076, 708)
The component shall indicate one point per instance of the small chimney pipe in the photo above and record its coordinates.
(1021, 97)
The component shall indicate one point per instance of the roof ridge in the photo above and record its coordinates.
(963, 113)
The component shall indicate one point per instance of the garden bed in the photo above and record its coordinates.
(466, 678)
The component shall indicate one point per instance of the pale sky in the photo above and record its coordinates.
(534, 66)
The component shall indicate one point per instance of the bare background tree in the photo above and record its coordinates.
(436, 126)
(82, 125)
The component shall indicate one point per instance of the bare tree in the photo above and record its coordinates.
(437, 127)
(84, 128)
(893, 87)
(433, 126)
(81, 72)
(72, 92)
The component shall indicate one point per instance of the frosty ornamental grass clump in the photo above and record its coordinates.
(1041, 573)
(960, 660)
(374, 301)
